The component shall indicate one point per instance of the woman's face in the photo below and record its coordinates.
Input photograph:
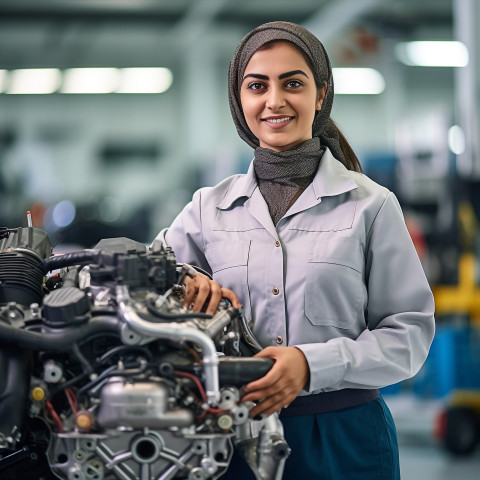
(279, 97)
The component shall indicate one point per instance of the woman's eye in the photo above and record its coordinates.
(294, 84)
(255, 86)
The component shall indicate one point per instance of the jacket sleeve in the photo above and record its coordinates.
(399, 315)
(185, 236)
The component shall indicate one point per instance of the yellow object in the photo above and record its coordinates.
(466, 398)
(38, 394)
(84, 421)
(461, 298)
(468, 226)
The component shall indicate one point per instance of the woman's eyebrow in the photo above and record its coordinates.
(290, 74)
(259, 76)
(256, 75)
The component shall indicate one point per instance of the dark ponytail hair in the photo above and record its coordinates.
(351, 160)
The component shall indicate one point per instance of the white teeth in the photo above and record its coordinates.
(278, 120)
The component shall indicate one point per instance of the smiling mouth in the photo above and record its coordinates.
(278, 120)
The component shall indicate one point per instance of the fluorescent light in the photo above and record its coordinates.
(358, 81)
(3, 80)
(86, 80)
(144, 80)
(34, 81)
(456, 140)
(433, 54)
(90, 80)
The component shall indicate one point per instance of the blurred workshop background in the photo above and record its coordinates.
(112, 112)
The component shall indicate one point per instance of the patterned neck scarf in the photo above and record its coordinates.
(283, 175)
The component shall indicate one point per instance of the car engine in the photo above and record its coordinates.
(105, 374)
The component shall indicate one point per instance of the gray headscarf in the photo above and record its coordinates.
(323, 127)
(283, 175)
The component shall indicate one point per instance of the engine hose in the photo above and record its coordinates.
(123, 350)
(68, 383)
(248, 335)
(104, 375)
(113, 371)
(69, 259)
(70, 279)
(61, 340)
(86, 367)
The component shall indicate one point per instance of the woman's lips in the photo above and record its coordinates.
(277, 122)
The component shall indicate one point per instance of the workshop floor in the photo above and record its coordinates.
(420, 457)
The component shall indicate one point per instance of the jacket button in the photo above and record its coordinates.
(279, 340)
(275, 291)
(277, 243)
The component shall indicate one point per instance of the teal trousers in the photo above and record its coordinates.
(358, 443)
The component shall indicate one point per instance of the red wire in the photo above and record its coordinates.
(196, 381)
(216, 410)
(54, 415)
(202, 393)
(72, 399)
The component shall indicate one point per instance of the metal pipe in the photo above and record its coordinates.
(176, 332)
(219, 322)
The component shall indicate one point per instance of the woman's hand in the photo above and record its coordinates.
(201, 291)
(281, 385)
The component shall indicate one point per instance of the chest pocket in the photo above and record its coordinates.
(228, 261)
(335, 290)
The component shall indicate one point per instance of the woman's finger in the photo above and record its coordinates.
(202, 292)
(270, 405)
(231, 297)
(191, 291)
(214, 298)
(281, 385)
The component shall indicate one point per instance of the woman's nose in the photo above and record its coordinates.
(275, 99)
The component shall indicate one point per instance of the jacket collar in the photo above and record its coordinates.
(244, 187)
(332, 178)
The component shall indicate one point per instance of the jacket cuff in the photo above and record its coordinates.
(325, 364)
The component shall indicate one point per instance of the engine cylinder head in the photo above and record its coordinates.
(22, 267)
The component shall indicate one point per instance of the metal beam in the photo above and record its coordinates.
(196, 21)
(336, 15)
(466, 14)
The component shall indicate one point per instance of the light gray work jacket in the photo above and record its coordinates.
(338, 276)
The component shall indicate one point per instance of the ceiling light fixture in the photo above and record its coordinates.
(34, 81)
(358, 81)
(456, 140)
(432, 54)
(102, 80)
(144, 80)
(90, 80)
(3, 80)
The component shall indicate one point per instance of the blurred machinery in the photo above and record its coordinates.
(457, 346)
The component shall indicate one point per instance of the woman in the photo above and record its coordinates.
(320, 259)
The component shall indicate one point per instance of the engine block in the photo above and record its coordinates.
(105, 374)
